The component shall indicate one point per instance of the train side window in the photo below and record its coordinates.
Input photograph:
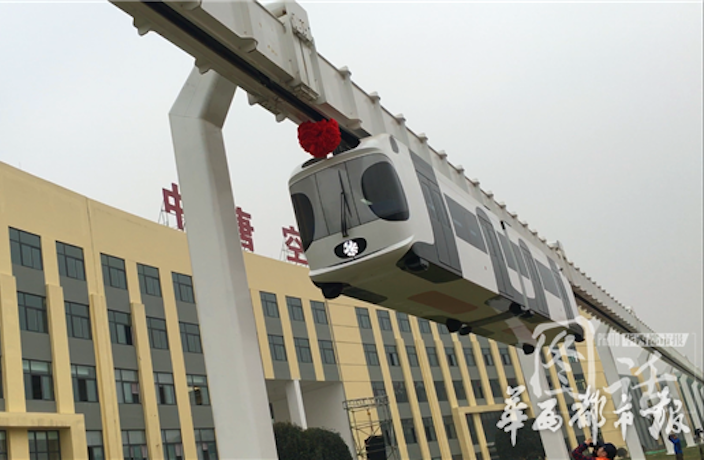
(429, 201)
(440, 208)
(521, 264)
(510, 260)
(382, 188)
(304, 217)
(466, 225)
(548, 279)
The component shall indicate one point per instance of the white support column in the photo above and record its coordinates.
(228, 331)
(675, 395)
(608, 364)
(652, 397)
(294, 398)
(698, 393)
(553, 443)
(689, 403)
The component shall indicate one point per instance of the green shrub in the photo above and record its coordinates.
(293, 443)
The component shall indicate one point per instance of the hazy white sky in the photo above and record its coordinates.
(585, 118)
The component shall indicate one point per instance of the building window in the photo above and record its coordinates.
(512, 382)
(420, 391)
(440, 390)
(392, 355)
(85, 385)
(320, 316)
(469, 357)
(412, 355)
(432, 357)
(403, 323)
(271, 308)
(451, 357)
(363, 318)
(572, 354)
(32, 311)
(94, 440)
(44, 445)
(38, 383)
(400, 392)
(488, 359)
(477, 388)
(580, 382)
(190, 337)
(25, 249)
(134, 445)
(450, 430)
(424, 326)
(164, 385)
(198, 390)
(277, 347)
(173, 449)
(378, 389)
(113, 271)
(429, 429)
(78, 320)
(183, 287)
(505, 356)
(443, 330)
(205, 444)
(327, 352)
(384, 320)
(157, 333)
(120, 327)
(409, 431)
(459, 390)
(295, 309)
(70, 259)
(303, 350)
(127, 386)
(149, 280)
(3, 445)
(371, 355)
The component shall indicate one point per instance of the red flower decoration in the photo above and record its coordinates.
(319, 138)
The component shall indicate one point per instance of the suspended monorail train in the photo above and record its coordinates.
(379, 224)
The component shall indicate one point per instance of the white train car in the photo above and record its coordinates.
(378, 224)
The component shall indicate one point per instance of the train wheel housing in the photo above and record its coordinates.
(453, 325)
(465, 329)
(528, 349)
(331, 290)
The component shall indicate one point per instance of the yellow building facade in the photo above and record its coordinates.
(101, 357)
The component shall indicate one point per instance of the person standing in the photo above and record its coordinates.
(603, 452)
(679, 455)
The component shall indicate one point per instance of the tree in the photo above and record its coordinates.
(528, 444)
(293, 443)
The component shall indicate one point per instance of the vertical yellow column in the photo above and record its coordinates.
(105, 372)
(18, 444)
(73, 442)
(521, 381)
(459, 416)
(12, 372)
(425, 372)
(435, 411)
(61, 361)
(499, 368)
(481, 366)
(188, 437)
(146, 380)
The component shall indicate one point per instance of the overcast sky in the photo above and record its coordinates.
(585, 118)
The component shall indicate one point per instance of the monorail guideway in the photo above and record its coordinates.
(453, 227)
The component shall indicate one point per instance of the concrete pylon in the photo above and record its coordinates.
(229, 334)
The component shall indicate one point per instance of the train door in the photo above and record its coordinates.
(500, 271)
(540, 303)
(445, 251)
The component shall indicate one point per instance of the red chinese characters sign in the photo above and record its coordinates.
(244, 223)
(294, 245)
(172, 204)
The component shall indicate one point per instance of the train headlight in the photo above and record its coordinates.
(349, 249)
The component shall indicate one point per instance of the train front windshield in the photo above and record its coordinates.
(346, 195)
